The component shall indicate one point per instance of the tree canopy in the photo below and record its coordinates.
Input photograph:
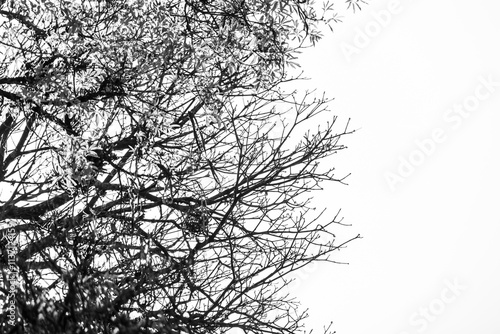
(154, 167)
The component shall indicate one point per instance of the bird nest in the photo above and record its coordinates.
(196, 222)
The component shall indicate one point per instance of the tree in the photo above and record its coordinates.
(152, 176)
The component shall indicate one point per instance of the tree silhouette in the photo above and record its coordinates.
(154, 171)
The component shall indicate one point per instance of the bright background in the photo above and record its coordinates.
(442, 223)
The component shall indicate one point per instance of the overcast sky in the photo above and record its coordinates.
(422, 86)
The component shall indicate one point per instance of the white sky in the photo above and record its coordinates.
(441, 223)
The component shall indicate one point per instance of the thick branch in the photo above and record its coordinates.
(34, 212)
(24, 20)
